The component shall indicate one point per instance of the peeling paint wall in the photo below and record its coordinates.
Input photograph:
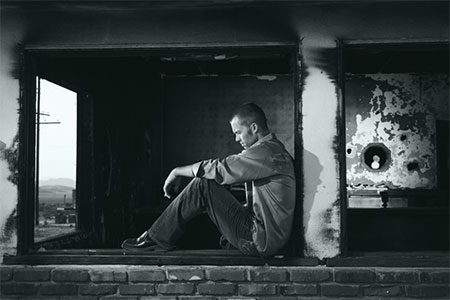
(8, 237)
(321, 219)
(317, 25)
(398, 111)
(321, 203)
(9, 87)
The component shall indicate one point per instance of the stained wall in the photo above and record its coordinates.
(318, 26)
(400, 112)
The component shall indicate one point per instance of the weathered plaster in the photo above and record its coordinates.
(321, 206)
(8, 192)
(390, 109)
(11, 34)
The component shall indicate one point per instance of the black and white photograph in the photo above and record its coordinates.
(224, 149)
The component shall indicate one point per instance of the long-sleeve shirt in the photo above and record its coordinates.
(269, 169)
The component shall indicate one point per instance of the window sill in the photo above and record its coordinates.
(392, 259)
(174, 257)
(226, 258)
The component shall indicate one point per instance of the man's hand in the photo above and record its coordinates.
(171, 185)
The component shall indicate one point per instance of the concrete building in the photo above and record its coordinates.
(357, 90)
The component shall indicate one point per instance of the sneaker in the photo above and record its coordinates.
(141, 244)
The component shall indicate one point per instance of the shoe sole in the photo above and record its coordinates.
(154, 248)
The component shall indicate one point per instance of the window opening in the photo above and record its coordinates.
(396, 102)
(129, 108)
(56, 139)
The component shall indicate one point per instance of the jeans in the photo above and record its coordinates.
(232, 219)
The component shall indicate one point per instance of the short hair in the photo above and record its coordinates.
(249, 113)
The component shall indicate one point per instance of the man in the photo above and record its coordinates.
(264, 226)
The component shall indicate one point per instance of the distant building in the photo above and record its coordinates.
(65, 215)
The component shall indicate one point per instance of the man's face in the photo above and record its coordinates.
(244, 134)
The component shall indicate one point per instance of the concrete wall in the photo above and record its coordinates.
(319, 26)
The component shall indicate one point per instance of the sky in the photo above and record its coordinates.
(57, 155)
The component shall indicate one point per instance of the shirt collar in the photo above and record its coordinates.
(265, 138)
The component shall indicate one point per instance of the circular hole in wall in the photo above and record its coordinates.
(376, 157)
(350, 151)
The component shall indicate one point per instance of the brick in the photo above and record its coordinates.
(277, 298)
(72, 298)
(108, 276)
(98, 289)
(114, 297)
(383, 290)
(19, 288)
(427, 291)
(175, 288)
(226, 274)
(354, 276)
(339, 290)
(137, 289)
(6, 274)
(32, 274)
(147, 276)
(162, 297)
(311, 275)
(434, 276)
(59, 289)
(216, 288)
(186, 275)
(257, 289)
(396, 277)
(70, 275)
(198, 298)
(55, 297)
(268, 274)
(300, 289)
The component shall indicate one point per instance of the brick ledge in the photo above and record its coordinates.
(214, 283)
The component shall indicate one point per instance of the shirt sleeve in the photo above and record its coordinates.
(248, 165)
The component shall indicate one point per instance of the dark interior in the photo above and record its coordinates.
(397, 59)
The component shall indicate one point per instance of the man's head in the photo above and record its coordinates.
(249, 124)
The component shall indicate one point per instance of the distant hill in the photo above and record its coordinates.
(54, 194)
(58, 181)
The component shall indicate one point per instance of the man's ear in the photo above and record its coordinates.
(254, 127)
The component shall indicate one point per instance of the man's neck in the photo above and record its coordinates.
(262, 134)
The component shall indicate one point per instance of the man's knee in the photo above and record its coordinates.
(197, 181)
(205, 187)
(197, 184)
(204, 182)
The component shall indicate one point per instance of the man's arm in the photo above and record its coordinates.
(172, 181)
(249, 165)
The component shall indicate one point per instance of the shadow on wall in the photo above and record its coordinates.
(312, 181)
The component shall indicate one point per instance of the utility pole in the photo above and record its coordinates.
(38, 124)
